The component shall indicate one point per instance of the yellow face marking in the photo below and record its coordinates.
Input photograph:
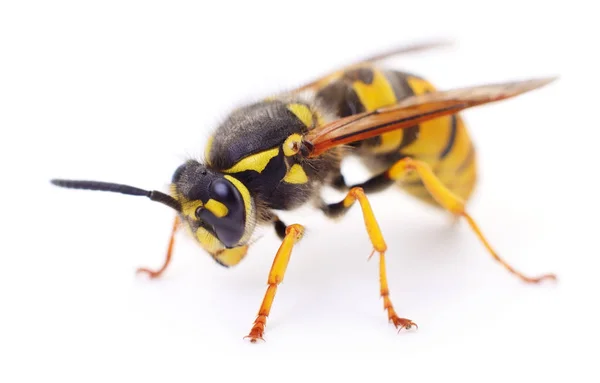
(208, 241)
(257, 162)
(228, 257)
(375, 95)
(173, 192)
(292, 145)
(231, 257)
(188, 208)
(303, 113)
(217, 208)
(296, 175)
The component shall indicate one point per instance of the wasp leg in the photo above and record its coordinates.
(157, 273)
(453, 204)
(376, 184)
(379, 245)
(293, 234)
(339, 183)
(280, 227)
(278, 224)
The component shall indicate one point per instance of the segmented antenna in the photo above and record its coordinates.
(154, 195)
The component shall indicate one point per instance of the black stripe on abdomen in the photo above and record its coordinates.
(452, 138)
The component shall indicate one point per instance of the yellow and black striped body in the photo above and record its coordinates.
(253, 145)
(256, 150)
(443, 143)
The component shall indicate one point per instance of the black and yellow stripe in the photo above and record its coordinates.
(443, 143)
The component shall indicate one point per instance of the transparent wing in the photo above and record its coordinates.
(413, 110)
(399, 50)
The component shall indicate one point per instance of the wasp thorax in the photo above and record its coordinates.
(213, 201)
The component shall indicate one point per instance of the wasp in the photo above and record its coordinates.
(278, 153)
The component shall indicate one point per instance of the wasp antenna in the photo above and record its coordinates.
(550, 79)
(413, 48)
(154, 195)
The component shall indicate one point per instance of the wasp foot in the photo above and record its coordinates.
(151, 273)
(258, 329)
(402, 323)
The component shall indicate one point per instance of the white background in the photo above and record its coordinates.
(124, 91)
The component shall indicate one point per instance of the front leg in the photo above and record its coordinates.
(279, 226)
(293, 234)
(157, 273)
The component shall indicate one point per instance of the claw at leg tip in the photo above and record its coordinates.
(254, 339)
(551, 277)
(151, 274)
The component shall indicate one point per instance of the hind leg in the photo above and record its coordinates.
(451, 202)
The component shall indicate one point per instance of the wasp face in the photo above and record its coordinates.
(217, 208)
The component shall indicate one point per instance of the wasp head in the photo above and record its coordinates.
(217, 208)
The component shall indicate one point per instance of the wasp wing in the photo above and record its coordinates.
(411, 111)
(399, 50)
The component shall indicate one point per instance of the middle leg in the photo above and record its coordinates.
(379, 245)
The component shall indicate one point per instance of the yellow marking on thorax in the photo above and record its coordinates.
(303, 113)
(376, 95)
(320, 118)
(257, 162)
(208, 148)
(291, 145)
(296, 175)
(217, 208)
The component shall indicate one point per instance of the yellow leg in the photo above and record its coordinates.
(157, 273)
(453, 204)
(357, 193)
(293, 234)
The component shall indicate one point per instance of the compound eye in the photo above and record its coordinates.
(229, 228)
(223, 191)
